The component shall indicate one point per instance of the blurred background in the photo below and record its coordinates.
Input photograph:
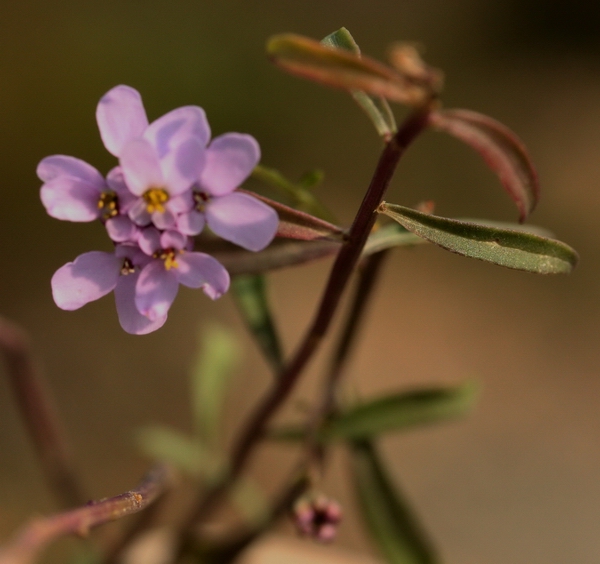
(515, 482)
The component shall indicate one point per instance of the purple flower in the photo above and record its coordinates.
(95, 274)
(159, 160)
(234, 216)
(172, 264)
(75, 191)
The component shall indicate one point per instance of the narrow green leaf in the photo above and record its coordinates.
(501, 149)
(211, 373)
(505, 247)
(389, 518)
(376, 107)
(343, 69)
(303, 199)
(391, 413)
(250, 294)
(185, 454)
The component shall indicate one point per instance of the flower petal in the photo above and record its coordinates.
(121, 118)
(130, 318)
(71, 199)
(230, 159)
(155, 290)
(243, 220)
(172, 239)
(182, 165)
(170, 130)
(199, 270)
(89, 277)
(191, 223)
(116, 182)
(57, 166)
(149, 240)
(141, 168)
(121, 229)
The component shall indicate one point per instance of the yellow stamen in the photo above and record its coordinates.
(108, 203)
(169, 256)
(155, 198)
(200, 200)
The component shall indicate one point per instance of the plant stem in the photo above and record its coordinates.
(41, 531)
(343, 267)
(40, 415)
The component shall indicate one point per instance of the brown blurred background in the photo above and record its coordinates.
(515, 482)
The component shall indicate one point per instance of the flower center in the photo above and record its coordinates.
(155, 198)
(127, 267)
(169, 256)
(200, 200)
(109, 204)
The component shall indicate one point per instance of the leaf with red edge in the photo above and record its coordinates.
(295, 224)
(501, 149)
(343, 69)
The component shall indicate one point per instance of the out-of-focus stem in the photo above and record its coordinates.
(39, 414)
(41, 531)
(343, 267)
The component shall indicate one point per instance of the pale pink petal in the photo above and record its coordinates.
(57, 166)
(181, 203)
(199, 270)
(116, 182)
(121, 229)
(130, 318)
(89, 277)
(172, 239)
(164, 220)
(243, 220)
(230, 159)
(155, 290)
(182, 165)
(141, 168)
(121, 118)
(138, 213)
(71, 199)
(170, 130)
(149, 240)
(191, 223)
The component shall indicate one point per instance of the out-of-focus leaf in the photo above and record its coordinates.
(376, 107)
(389, 518)
(342, 69)
(304, 200)
(250, 296)
(505, 247)
(184, 453)
(295, 224)
(250, 501)
(501, 149)
(391, 413)
(211, 373)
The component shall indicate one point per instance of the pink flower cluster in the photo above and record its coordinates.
(170, 183)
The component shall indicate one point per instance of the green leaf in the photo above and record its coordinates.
(376, 107)
(388, 236)
(211, 373)
(501, 149)
(249, 292)
(389, 518)
(505, 247)
(303, 199)
(391, 413)
(186, 454)
(343, 69)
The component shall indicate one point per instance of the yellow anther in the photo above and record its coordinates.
(109, 204)
(155, 198)
(169, 256)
